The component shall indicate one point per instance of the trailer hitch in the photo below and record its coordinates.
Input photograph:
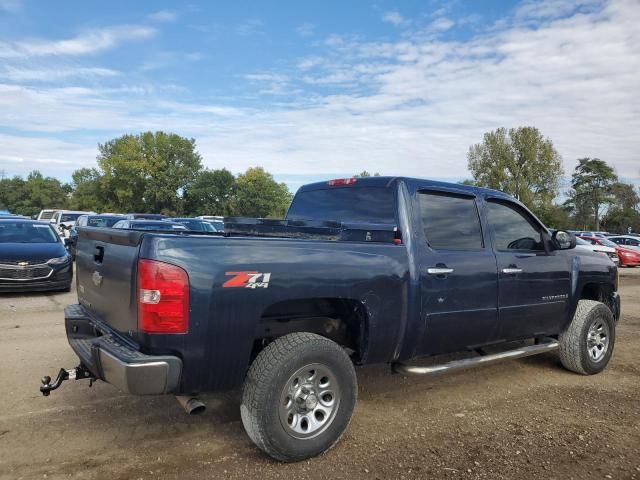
(78, 373)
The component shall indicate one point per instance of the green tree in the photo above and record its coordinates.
(591, 189)
(364, 174)
(520, 162)
(29, 196)
(211, 193)
(259, 195)
(624, 211)
(625, 196)
(12, 193)
(87, 190)
(148, 172)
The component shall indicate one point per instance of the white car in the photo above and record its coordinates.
(628, 241)
(64, 220)
(608, 251)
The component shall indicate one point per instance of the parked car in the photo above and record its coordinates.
(361, 271)
(628, 241)
(627, 256)
(217, 222)
(45, 215)
(144, 216)
(32, 257)
(97, 221)
(149, 225)
(602, 245)
(64, 220)
(592, 234)
(195, 224)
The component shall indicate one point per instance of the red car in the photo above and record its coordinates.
(628, 257)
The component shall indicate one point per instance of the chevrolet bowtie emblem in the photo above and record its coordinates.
(97, 278)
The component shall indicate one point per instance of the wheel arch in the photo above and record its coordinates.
(602, 292)
(343, 320)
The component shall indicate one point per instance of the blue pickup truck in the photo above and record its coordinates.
(399, 271)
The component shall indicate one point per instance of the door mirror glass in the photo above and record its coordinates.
(564, 240)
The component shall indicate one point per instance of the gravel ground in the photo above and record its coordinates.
(525, 418)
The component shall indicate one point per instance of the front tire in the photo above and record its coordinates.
(299, 396)
(587, 344)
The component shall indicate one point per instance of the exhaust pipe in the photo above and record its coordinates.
(191, 405)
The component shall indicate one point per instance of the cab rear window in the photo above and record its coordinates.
(345, 204)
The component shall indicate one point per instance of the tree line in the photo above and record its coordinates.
(524, 163)
(153, 172)
(160, 172)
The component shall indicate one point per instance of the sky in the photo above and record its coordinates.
(316, 90)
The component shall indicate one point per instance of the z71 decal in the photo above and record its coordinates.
(247, 280)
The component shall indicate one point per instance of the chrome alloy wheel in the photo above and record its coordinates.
(309, 401)
(598, 339)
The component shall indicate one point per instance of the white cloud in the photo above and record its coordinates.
(249, 27)
(420, 102)
(277, 84)
(441, 24)
(86, 43)
(393, 18)
(18, 74)
(306, 29)
(552, 9)
(163, 16)
(20, 155)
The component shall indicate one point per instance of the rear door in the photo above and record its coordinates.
(458, 276)
(534, 281)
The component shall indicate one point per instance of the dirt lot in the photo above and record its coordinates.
(522, 419)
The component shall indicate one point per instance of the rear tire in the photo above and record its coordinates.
(587, 344)
(298, 397)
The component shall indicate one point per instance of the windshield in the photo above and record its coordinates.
(194, 225)
(22, 232)
(607, 243)
(157, 226)
(103, 222)
(69, 217)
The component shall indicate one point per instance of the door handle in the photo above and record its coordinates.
(439, 270)
(98, 255)
(511, 270)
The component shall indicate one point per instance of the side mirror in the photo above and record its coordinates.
(564, 240)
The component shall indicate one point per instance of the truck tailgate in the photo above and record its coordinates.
(106, 263)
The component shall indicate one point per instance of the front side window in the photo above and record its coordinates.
(450, 221)
(511, 229)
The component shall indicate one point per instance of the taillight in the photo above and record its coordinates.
(342, 181)
(163, 297)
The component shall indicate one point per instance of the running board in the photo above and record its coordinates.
(472, 362)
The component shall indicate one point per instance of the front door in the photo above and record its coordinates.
(534, 280)
(458, 276)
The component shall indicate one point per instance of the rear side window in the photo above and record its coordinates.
(345, 204)
(511, 229)
(450, 222)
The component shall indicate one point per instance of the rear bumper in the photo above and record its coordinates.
(116, 360)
